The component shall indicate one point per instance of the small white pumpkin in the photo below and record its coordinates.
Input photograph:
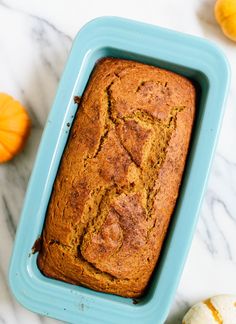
(215, 310)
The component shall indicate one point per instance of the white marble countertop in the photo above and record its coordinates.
(35, 38)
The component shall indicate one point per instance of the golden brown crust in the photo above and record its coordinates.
(119, 178)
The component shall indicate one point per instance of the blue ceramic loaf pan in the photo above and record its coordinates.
(190, 56)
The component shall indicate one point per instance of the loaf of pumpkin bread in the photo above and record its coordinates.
(119, 178)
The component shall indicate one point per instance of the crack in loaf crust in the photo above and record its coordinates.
(119, 177)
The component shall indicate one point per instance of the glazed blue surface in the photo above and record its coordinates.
(190, 56)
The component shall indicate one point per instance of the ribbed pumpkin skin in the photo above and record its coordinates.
(14, 127)
(225, 13)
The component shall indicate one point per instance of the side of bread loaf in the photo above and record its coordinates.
(119, 178)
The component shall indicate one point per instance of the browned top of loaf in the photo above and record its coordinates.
(119, 178)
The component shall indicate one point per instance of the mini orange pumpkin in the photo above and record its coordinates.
(14, 127)
(225, 13)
